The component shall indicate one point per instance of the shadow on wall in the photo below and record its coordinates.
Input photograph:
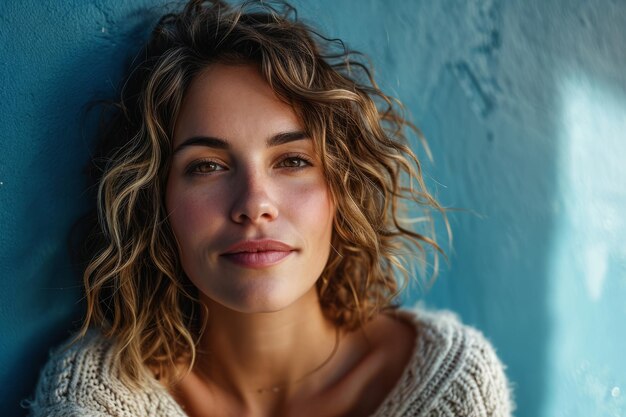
(50, 140)
(497, 278)
(487, 116)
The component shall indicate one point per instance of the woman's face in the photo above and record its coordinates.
(246, 195)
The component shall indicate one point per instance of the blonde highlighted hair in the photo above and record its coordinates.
(136, 290)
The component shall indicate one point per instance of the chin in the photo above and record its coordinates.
(257, 297)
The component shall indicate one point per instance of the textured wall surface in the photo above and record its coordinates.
(524, 106)
(55, 57)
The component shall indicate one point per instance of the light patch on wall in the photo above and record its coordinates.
(594, 178)
(587, 282)
(595, 266)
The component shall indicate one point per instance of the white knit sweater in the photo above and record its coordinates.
(454, 371)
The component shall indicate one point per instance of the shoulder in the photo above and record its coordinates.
(80, 379)
(454, 370)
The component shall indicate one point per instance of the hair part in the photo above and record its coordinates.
(136, 290)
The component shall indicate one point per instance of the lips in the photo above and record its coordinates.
(257, 253)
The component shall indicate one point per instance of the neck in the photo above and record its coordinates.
(268, 358)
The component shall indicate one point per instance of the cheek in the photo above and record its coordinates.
(312, 210)
(189, 214)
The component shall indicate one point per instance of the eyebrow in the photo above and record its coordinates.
(217, 143)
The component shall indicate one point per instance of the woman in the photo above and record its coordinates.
(249, 237)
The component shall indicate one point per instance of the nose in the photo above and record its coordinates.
(253, 202)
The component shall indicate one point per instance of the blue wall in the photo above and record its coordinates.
(524, 106)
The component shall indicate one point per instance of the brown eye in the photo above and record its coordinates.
(204, 167)
(294, 162)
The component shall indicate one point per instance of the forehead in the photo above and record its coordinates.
(230, 101)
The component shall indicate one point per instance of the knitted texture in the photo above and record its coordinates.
(453, 371)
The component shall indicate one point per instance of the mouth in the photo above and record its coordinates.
(257, 253)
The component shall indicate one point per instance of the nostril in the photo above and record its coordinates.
(254, 207)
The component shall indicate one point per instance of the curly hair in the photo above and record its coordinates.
(136, 290)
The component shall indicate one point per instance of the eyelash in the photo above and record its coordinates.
(297, 156)
(194, 166)
(191, 170)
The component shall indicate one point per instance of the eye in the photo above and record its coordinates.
(294, 161)
(204, 167)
